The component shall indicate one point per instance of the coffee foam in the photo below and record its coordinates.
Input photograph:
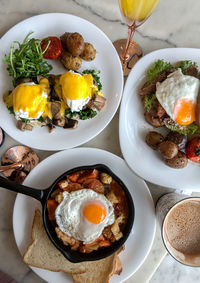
(181, 231)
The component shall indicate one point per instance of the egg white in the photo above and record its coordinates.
(77, 105)
(176, 86)
(70, 220)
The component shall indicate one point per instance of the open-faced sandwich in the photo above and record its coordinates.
(171, 100)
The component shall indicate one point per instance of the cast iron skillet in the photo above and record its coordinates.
(44, 195)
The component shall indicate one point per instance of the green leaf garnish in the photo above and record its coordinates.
(157, 68)
(184, 65)
(27, 60)
(149, 99)
(82, 115)
(11, 110)
(87, 114)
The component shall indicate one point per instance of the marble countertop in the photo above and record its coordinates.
(173, 24)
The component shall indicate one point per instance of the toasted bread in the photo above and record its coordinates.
(98, 271)
(43, 254)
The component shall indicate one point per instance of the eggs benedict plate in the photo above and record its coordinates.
(72, 110)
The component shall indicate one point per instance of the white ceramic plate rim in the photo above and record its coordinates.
(107, 61)
(145, 162)
(141, 238)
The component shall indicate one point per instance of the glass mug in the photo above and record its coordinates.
(179, 218)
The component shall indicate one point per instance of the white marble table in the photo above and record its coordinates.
(173, 24)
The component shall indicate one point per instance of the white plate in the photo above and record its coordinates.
(140, 240)
(107, 61)
(144, 161)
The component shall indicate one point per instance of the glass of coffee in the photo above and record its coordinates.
(180, 227)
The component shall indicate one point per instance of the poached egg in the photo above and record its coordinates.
(75, 89)
(28, 100)
(178, 96)
(84, 214)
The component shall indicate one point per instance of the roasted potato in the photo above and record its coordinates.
(63, 39)
(70, 62)
(153, 139)
(89, 52)
(75, 43)
(178, 162)
(168, 149)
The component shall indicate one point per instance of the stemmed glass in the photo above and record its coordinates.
(134, 13)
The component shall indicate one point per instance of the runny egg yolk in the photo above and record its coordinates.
(184, 111)
(75, 86)
(94, 212)
(29, 98)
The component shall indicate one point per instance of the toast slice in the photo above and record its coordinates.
(43, 254)
(99, 271)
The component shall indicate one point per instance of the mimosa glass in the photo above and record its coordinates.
(134, 13)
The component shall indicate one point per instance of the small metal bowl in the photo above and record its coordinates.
(44, 195)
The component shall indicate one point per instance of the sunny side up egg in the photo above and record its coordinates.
(84, 214)
(29, 100)
(75, 89)
(178, 96)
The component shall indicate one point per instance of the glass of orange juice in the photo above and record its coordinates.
(134, 13)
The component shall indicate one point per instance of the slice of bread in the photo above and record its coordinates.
(43, 254)
(97, 271)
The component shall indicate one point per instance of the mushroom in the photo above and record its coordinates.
(24, 126)
(70, 123)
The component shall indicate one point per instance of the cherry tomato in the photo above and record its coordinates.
(193, 149)
(54, 49)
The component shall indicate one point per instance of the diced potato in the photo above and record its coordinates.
(121, 218)
(116, 231)
(59, 197)
(105, 178)
(63, 184)
(112, 197)
(118, 236)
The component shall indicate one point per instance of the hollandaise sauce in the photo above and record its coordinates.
(137, 10)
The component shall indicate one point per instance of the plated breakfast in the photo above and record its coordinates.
(171, 100)
(165, 119)
(47, 171)
(72, 73)
(43, 99)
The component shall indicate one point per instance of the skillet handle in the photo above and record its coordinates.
(12, 186)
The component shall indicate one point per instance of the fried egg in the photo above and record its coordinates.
(28, 100)
(76, 90)
(178, 96)
(84, 214)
